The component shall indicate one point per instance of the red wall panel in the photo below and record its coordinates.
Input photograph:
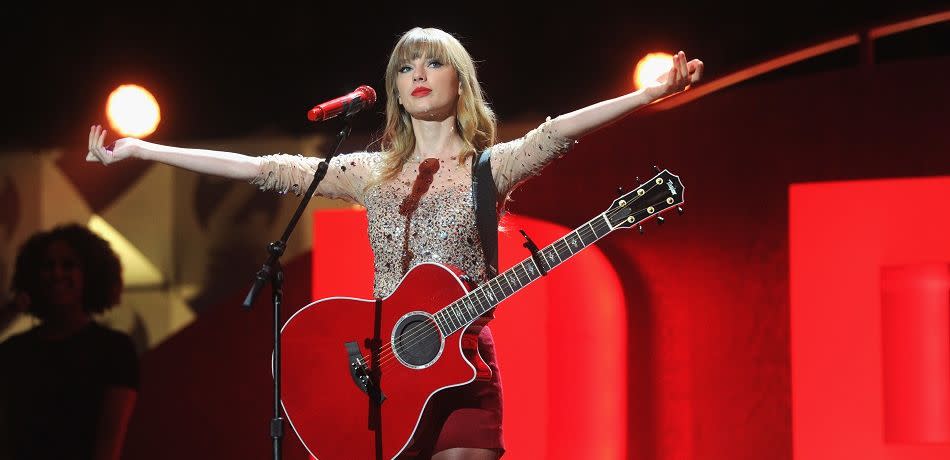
(842, 234)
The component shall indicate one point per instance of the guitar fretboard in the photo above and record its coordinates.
(485, 297)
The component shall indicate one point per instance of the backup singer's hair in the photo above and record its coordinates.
(100, 266)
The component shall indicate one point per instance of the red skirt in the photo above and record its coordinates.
(463, 416)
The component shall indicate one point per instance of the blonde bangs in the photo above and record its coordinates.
(418, 45)
(475, 120)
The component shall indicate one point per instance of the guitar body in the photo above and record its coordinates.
(325, 395)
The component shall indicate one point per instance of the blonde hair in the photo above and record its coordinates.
(474, 120)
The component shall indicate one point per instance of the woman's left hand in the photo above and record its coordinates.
(681, 76)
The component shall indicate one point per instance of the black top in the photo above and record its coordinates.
(51, 391)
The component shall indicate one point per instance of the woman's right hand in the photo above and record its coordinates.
(120, 150)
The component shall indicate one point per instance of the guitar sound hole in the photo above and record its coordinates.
(417, 340)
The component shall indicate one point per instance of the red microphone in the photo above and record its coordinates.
(359, 99)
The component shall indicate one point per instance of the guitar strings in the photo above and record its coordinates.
(387, 355)
(425, 333)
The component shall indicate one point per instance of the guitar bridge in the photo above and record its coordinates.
(361, 374)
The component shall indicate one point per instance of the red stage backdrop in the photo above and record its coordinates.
(870, 319)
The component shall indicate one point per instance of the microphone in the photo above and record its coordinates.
(347, 105)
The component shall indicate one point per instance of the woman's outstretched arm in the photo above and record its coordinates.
(576, 124)
(281, 172)
(225, 164)
(517, 160)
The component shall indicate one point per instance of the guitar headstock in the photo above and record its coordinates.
(650, 199)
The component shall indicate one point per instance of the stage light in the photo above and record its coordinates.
(133, 111)
(650, 68)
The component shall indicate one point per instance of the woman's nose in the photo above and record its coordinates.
(419, 74)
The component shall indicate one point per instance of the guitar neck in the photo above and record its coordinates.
(485, 297)
(647, 201)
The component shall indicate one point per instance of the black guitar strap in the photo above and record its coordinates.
(485, 199)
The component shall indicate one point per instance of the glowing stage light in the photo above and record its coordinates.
(133, 111)
(651, 67)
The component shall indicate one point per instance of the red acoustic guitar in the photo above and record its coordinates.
(358, 373)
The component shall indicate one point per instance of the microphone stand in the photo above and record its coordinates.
(272, 272)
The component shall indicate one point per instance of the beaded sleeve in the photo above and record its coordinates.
(515, 161)
(346, 176)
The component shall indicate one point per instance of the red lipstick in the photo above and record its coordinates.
(421, 91)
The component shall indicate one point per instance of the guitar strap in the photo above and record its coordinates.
(485, 199)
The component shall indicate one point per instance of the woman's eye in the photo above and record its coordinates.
(435, 64)
(404, 69)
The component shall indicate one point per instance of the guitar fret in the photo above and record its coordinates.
(586, 233)
(460, 313)
(494, 294)
(563, 251)
(477, 295)
(530, 267)
(492, 287)
(551, 258)
(489, 297)
(458, 316)
(440, 321)
(501, 290)
(510, 290)
(452, 318)
(471, 307)
(531, 270)
(449, 324)
(574, 242)
(604, 226)
(518, 276)
(491, 294)
(478, 300)
(474, 309)
(513, 287)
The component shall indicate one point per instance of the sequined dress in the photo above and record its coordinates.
(412, 221)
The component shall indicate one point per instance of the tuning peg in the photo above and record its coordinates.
(679, 209)
(660, 220)
(640, 227)
(656, 169)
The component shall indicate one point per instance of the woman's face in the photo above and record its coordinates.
(61, 276)
(428, 88)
